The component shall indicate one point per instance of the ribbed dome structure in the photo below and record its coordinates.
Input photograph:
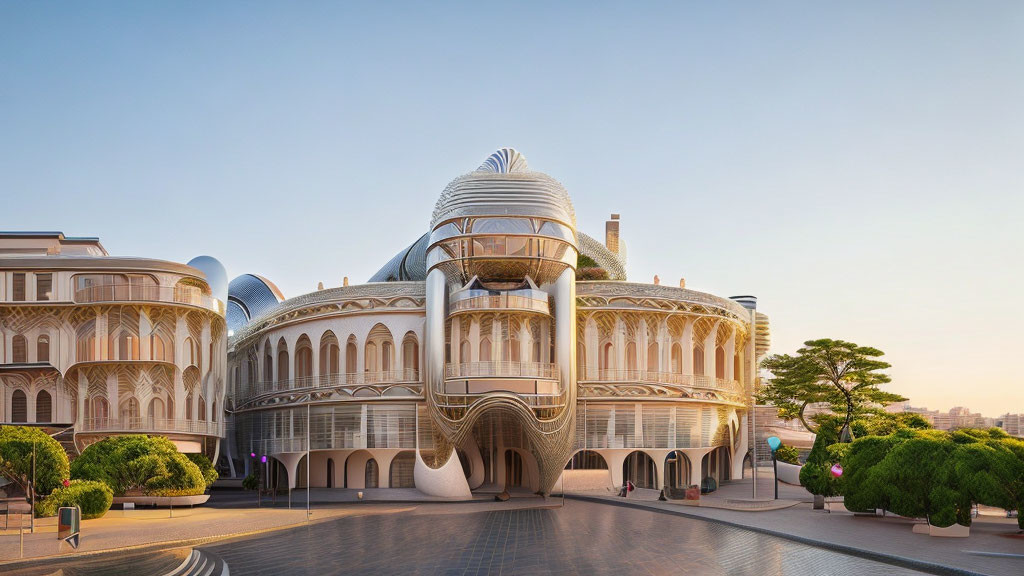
(249, 296)
(504, 186)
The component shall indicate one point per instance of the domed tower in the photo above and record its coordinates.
(500, 323)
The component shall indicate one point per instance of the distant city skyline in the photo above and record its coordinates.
(864, 164)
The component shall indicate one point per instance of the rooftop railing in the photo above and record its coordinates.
(502, 368)
(147, 424)
(188, 295)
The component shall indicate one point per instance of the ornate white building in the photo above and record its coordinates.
(500, 349)
(97, 345)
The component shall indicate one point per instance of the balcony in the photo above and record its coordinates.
(502, 369)
(187, 295)
(360, 379)
(147, 425)
(503, 302)
(688, 382)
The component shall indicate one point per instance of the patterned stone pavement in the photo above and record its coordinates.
(582, 538)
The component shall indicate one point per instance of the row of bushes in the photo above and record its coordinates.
(114, 466)
(920, 473)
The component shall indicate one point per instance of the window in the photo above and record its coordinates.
(44, 286)
(43, 349)
(18, 346)
(19, 287)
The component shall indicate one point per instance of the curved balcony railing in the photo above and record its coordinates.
(147, 424)
(406, 375)
(508, 369)
(671, 378)
(501, 302)
(188, 295)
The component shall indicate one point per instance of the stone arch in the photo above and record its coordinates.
(641, 469)
(401, 473)
(330, 354)
(678, 470)
(303, 358)
(379, 350)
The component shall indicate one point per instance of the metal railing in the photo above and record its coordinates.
(672, 378)
(334, 380)
(147, 424)
(189, 295)
(501, 302)
(502, 368)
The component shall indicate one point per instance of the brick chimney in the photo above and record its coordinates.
(611, 233)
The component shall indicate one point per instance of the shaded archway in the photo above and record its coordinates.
(330, 472)
(372, 474)
(587, 460)
(19, 406)
(639, 468)
(44, 407)
(402, 465)
(677, 470)
(715, 464)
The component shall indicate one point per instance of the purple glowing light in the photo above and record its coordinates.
(263, 459)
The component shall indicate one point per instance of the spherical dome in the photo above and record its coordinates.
(249, 296)
(504, 186)
(216, 275)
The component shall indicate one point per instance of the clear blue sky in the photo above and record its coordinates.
(856, 166)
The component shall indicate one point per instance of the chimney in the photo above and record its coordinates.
(682, 282)
(319, 285)
(611, 233)
(657, 281)
(344, 282)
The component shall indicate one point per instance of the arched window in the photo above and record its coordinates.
(719, 362)
(653, 358)
(268, 362)
(371, 473)
(303, 358)
(44, 407)
(351, 356)
(282, 362)
(608, 357)
(385, 356)
(85, 342)
(485, 349)
(410, 356)
(736, 364)
(698, 360)
(631, 356)
(18, 349)
(202, 408)
(379, 351)
(158, 350)
(465, 355)
(213, 411)
(129, 410)
(370, 357)
(100, 409)
(156, 409)
(188, 407)
(581, 361)
(677, 358)
(19, 406)
(330, 352)
(189, 348)
(43, 349)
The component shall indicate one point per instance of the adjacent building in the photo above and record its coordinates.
(93, 345)
(502, 347)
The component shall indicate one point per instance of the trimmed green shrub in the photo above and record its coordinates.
(206, 468)
(584, 261)
(816, 475)
(94, 498)
(251, 482)
(16, 444)
(592, 274)
(788, 454)
(150, 465)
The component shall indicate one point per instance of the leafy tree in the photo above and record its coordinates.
(788, 454)
(137, 463)
(16, 445)
(94, 498)
(816, 475)
(841, 374)
(210, 474)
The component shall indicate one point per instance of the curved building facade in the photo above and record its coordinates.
(487, 357)
(97, 345)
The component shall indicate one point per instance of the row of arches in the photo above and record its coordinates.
(381, 359)
(19, 407)
(19, 348)
(641, 468)
(607, 359)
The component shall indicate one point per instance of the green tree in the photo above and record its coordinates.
(841, 374)
(136, 463)
(16, 447)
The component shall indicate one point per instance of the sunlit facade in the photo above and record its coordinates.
(503, 349)
(95, 345)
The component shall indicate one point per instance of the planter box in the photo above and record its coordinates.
(789, 473)
(954, 531)
(162, 500)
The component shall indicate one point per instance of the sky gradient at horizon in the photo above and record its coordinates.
(858, 167)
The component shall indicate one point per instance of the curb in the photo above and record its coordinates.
(901, 561)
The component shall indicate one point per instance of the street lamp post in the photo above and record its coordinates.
(774, 443)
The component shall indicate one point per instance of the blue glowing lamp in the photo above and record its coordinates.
(774, 443)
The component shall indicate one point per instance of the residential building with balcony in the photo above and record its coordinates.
(502, 349)
(95, 345)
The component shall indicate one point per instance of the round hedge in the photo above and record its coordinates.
(149, 465)
(16, 444)
(94, 498)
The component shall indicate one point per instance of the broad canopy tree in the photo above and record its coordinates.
(841, 374)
